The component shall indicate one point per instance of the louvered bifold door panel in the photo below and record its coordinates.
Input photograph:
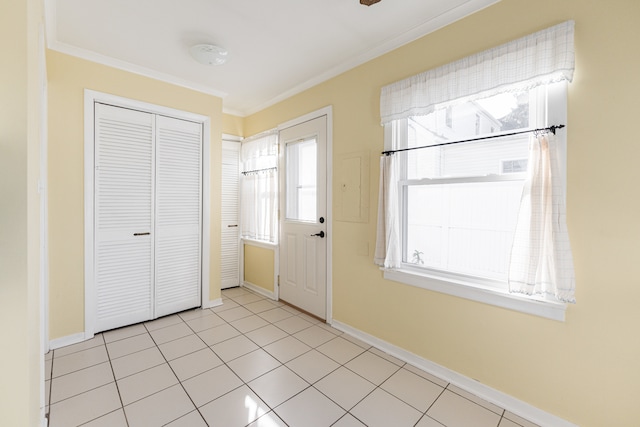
(230, 256)
(178, 214)
(123, 216)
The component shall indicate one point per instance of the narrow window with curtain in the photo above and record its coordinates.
(488, 213)
(259, 188)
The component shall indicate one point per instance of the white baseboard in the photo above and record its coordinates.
(68, 340)
(511, 404)
(213, 303)
(259, 290)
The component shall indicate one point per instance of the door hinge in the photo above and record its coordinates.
(278, 280)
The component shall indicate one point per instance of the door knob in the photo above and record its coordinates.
(320, 234)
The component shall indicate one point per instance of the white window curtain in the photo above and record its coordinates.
(388, 252)
(540, 58)
(541, 261)
(259, 187)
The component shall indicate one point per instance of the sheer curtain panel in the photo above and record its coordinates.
(259, 187)
(388, 252)
(541, 261)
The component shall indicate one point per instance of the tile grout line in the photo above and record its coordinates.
(226, 363)
(365, 396)
(94, 388)
(273, 409)
(475, 403)
(312, 385)
(48, 404)
(399, 367)
(104, 343)
(425, 414)
(501, 418)
(176, 375)
(126, 419)
(80, 393)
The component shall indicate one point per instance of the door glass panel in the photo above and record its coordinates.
(301, 185)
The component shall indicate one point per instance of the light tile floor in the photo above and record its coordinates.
(250, 362)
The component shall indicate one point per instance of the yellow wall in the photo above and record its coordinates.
(586, 368)
(232, 125)
(68, 77)
(20, 98)
(259, 266)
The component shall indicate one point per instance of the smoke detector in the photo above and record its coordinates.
(209, 54)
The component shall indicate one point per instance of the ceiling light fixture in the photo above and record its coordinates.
(368, 2)
(209, 54)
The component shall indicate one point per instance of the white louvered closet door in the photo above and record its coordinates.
(178, 215)
(230, 254)
(123, 223)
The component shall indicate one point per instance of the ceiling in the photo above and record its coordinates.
(277, 48)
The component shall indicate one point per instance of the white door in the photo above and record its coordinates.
(230, 263)
(147, 221)
(303, 243)
(178, 215)
(124, 215)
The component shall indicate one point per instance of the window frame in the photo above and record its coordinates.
(553, 110)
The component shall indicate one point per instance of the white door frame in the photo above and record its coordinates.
(91, 97)
(326, 111)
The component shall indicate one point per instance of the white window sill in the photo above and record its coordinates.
(259, 243)
(523, 304)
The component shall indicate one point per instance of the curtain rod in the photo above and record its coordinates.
(552, 129)
(258, 170)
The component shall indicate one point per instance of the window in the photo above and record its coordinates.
(301, 180)
(459, 203)
(449, 212)
(259, 188)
